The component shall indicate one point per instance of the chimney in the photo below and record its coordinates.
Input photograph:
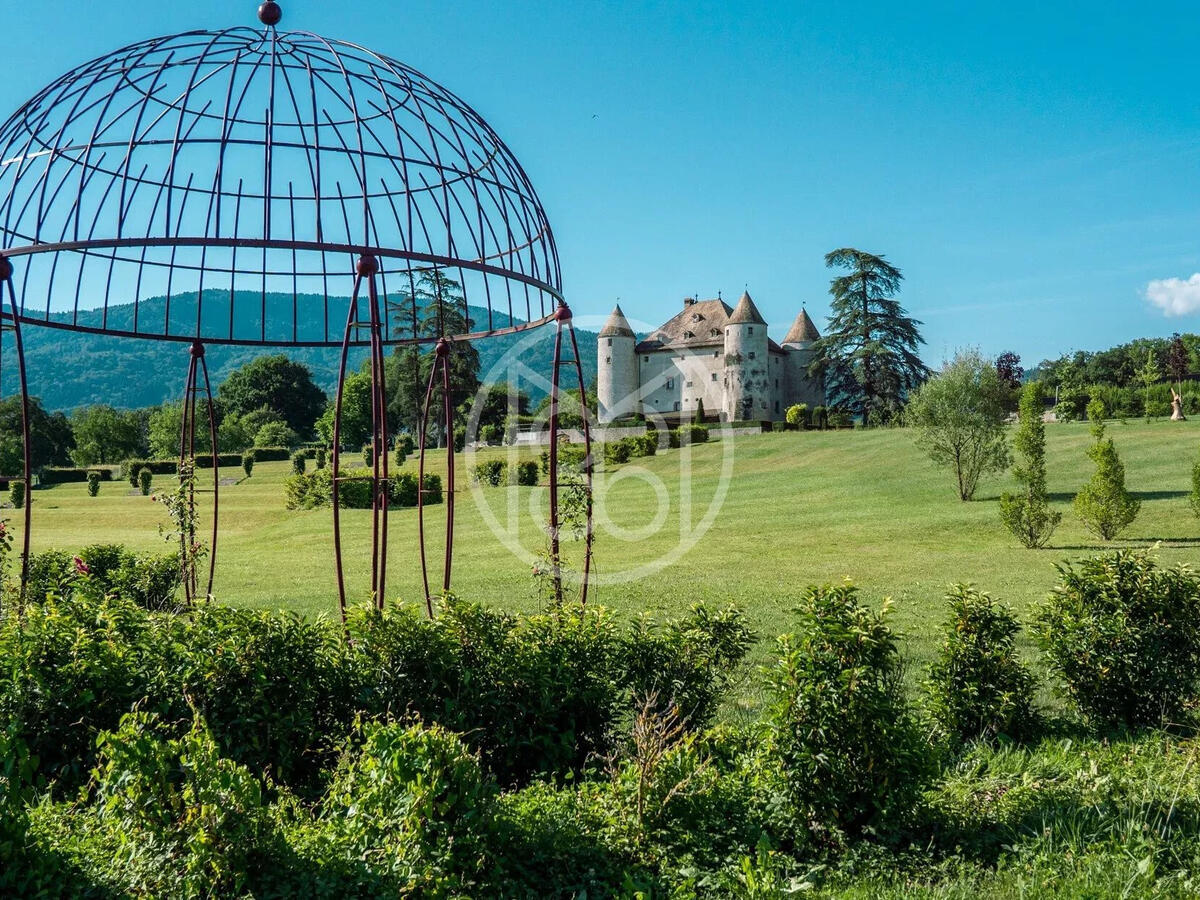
(688, 301)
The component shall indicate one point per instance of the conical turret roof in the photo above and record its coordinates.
(617, 325)
(803, 330)
(746, 313)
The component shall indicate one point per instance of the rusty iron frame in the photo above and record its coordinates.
(391, 174)
(186, 470)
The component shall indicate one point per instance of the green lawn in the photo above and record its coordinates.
(800, 508)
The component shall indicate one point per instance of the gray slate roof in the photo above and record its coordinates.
(746, 313)
(802, 330)
(617, 325)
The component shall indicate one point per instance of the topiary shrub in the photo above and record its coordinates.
(368, 456)
(401, 454)
(460, 438)
(644, 444)
(299, 463)
(319, 457)
(841, 742)
(524, 473)
(492, 472)
(571, 457)
(781, 426)
(145, 477)
(248, 459)
(275, 434)
(406, 443)
(273, 454)
(16, 493)
(93, 483)
(820, 417)
(978, 686)
(797, 415)
(491, 434)
(1124, 637)
(1194, 498)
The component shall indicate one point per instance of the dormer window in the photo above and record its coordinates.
(688, 334)
(696, 317)
(714, 332)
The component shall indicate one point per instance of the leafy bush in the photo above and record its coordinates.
(491, 434)
(145, 477)
(406, 443)
(492, 472)
(72, 476)
(838, 418)
(616, 452)
(1194, 498)
(299, 463)
(820, 417)
(841, 741)
(400, 454)
(978, 686)
(248, 460)
(315, 489)
(276, 434)
(688, 434)
(131, 467)
(16, 493)
(524, 473)
(1124, 636)
(1157, 409)
(93, 483)
(570, 457)
(273, 454)
(689, 664)
(797, 415)
(319, 457)
(644, 444)
(779, 427)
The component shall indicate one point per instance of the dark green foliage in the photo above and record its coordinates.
(868, 355)
(1028, 514)
(617, 452)
(1104, 505)
(698, 418)
(315, 489)
(1194, 497)
(460, 438)
(248, 460)
(319, 458)
(368, 455)
(570, 456)
(524, 473)
(492, 472)
(283, 386)
(273, 454)
(820, 417)
(105, 435)
(1124, 637)
(149, 581)
(94, 477)
(299, 463)
(978, 686)
(50, 435)
(685, 435)
(688, 664)
(145, 477)
(401, 455)
(48, 477)
(16, 493)
(845, 750)
(779, 427)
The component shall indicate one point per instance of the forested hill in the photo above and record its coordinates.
(70, 369)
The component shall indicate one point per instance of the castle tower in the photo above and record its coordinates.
(747, 385)
(616, 369)
(800, 354)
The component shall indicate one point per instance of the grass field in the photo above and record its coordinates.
(800, 508)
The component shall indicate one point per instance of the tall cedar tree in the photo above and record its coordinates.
(1027, 513)
(1178, 362)
(868, 357)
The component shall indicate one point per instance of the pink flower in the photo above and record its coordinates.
(81, 567)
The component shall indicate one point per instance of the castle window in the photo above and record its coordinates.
(670, 383)
(676, 406)
(714, 376)
(689, 384)
(696, 317)
(607, 359)
(646, 359)
(610, 342)
(750, 330)
(752, 355)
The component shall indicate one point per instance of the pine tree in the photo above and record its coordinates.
(1028, 514)
(1104, 505)
(868, 357)
(699, 417)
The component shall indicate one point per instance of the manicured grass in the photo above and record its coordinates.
(801, 508)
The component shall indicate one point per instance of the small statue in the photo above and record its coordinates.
(1177, 407)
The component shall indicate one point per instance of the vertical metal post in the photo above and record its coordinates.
(561, 315)
(368, 267)
(588, 464)
(335, 460)
(6, 274)
(216, 460)
(439, 369)
(187, 458)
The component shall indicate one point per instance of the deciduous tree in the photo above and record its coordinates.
(276, 382)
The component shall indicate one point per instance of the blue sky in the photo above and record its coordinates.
(1033, 169)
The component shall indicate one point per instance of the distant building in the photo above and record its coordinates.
(707, 353)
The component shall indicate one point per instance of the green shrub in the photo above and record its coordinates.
(820, 417)
(491, 434)
(276, 434)
(524, 473)
(319, 457)
(273, 454)
(1124, 637)
(492, 472)
(401, 454)
(145, 477)
(131, 467)
(460, 438)
(1028, 514)
(978, 686)
(838, 418)
(1103, 504)
(1157, 409)
(1194, 498)
(688, 434)
(797, 415)
(368, 455)
(841, 740)
(248, 460)
(617, 452)
(644, 444)
(93, 483)
(406, 443)
(780, 426)
(571, 457)
(16, 493)
(71, 476)
(299, 463)
(689, 664)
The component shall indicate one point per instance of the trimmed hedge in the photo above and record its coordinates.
(131, 467)
(315, 489)
(72, 476)
(271, 454)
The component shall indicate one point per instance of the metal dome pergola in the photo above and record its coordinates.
(234, 187)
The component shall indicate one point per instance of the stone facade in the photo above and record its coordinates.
(706, 353)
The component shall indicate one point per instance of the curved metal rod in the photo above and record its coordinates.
(555, 556)
(441, 362)
(448, 408)
(335, 461)
(6, 273)
(588, 469)
(381, 483)
(187, 456)
(216, 465)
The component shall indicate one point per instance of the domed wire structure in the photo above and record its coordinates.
(258, 187)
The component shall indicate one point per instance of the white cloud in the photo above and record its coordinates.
(1175, 296)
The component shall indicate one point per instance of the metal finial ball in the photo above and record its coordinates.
(563, 313)
(367, 265)
(270, 13)
(6, 268)
(442, 348)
